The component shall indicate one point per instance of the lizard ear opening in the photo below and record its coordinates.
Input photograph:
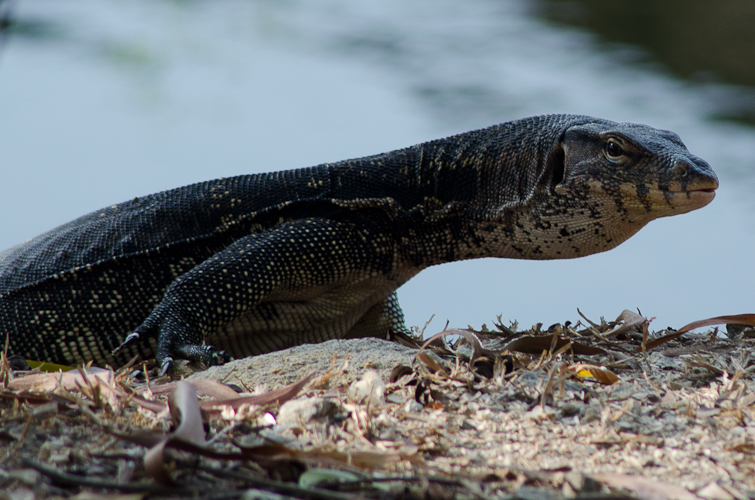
(555, 165)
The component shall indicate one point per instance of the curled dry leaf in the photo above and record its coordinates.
(184, 409)
(630, 322)
(205, 387)
(154, 463)
(652, 344)
(477, 348)
(483, 361)
(398, 372)
(189, 436)
(738, 319)
(279, 396)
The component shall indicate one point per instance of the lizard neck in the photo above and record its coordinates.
(495, 194)
(547, 227)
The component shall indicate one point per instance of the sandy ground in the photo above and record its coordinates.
(571, 412)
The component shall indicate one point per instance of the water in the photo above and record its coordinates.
(104, 100)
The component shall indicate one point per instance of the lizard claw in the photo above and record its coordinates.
(165, 365)
(132, 338)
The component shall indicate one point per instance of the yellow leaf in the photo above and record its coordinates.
(600, 374)
(49, 367)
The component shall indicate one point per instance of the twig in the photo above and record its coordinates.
(454, 483)
(281, 487)
(72, 480)
(409, 479)
(592, 326)
(427, 323)
(17, 446)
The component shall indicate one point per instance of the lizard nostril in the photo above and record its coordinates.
(681, 170)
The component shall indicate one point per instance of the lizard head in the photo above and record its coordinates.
(644, 172)
(594, 184)
(605, 181)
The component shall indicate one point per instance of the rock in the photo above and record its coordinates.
(280, 368)
(303, 410)
(370, 389)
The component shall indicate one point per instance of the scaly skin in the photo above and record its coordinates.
(262, 262)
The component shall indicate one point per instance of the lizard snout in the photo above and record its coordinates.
(695, 176)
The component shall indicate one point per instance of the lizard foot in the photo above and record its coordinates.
(205, 354)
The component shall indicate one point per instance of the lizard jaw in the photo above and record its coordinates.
(690, 199)
(698, 191)
(657, 202)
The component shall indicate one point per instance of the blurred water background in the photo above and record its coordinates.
(105, 100)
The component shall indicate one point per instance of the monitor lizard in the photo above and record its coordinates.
(250, 264)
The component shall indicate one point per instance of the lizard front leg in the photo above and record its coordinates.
(282, 262)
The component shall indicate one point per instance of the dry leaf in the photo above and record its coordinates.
(599, 373)
(53, 382)
(90, 495)
(744, 448)
(714, 491)
(204, 387)
(739, 319)
(184, 408)
(645, 488)
(536, 344)
(431, 364)
(279, 396)
(361, 459)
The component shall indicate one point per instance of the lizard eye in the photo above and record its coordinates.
(613, 151)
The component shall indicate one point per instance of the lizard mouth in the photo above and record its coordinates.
(689, 199)
(694, 191)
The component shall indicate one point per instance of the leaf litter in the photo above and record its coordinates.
(594, 410)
